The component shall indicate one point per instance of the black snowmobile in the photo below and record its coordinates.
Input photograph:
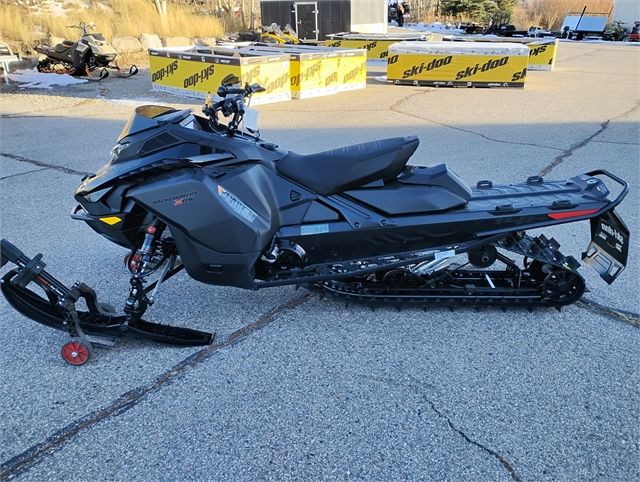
(358, 223)
(91, 55)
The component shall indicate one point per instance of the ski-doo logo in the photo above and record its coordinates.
(165, 71)
(488, 65)
(519, 75)
(434, 64)
(332, 79)
(333, 44)
(612, 232)
(199, 77)
(352, 74)
(252, 74)
(277, 83)
(178, 199)
(370, 46)
(310, 72)
(537, 50)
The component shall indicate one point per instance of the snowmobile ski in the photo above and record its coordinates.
(126, 73)
(98, 325)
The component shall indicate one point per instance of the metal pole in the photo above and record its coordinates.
(581, 15)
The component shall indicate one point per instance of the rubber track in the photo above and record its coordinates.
(499, 297)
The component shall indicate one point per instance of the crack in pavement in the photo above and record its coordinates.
(55, 167)
(569, 152)
(396, 108)
(628, 317)
(620, 142)
(591, 53)
(23, 173)
(508, 466)
(24, 461)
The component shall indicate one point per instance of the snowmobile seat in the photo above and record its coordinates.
(417, 190)
(63, 47)
(337, 170)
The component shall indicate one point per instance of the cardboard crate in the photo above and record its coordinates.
(458, 64)
(542, 51)
(376, 45)
(316, 71)
(195, 72)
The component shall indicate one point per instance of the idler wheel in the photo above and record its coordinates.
(483, 256)
(562, 287)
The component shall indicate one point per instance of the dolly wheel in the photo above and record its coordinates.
(76, 352)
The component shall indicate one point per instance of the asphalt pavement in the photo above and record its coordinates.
(301, 388)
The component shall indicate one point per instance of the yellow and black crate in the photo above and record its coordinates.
(542, 51)
(376, 45)
(458, 64)
(195, 73)
(352, 69)
(318, 71)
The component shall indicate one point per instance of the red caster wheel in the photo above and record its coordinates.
(76, 352)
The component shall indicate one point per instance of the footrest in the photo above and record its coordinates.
(173, 335)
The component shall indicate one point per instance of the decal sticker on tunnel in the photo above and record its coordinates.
(237, 206)
(314, 229)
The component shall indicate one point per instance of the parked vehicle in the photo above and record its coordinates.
(358, 223)
(91, 55)
(634, 36)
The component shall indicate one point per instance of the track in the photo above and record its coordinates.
(460, 287)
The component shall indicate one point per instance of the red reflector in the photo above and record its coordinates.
(572, 214)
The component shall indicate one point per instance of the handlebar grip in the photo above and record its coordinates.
(240, 107)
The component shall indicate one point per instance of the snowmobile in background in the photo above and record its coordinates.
(359, 223)
(616, 32)
(634, 36)
(290, 33)
(91, 55)
(272, 34)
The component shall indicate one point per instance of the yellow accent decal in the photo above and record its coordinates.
(111, 220)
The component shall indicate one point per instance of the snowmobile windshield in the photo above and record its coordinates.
(146, 117)
(98, 36)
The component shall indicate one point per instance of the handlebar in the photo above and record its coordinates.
(233, 103)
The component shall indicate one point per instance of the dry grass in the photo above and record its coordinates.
(550, 13)
(115, 18)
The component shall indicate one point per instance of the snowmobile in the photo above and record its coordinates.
(207, 194)
(91, 55)
(272, 34)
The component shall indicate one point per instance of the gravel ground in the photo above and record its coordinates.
(301, 388)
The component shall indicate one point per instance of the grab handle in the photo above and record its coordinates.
(625, 185)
